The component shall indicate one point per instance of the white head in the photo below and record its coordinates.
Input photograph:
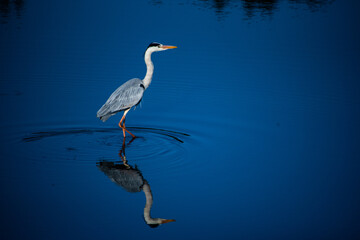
(156, 47)
(153, 47)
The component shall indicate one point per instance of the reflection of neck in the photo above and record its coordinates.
(149, 202)
(149, 69)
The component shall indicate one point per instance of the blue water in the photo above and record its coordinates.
(249, 130)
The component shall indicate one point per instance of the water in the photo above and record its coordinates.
(249, 129)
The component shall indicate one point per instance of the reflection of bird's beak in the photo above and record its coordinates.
(167, 220)
(168, 47)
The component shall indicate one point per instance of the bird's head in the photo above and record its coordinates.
(155, 222)
(156, 47)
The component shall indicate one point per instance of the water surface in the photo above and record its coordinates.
(249, 129)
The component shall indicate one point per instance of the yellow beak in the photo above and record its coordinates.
(168, 47)
(168, 220)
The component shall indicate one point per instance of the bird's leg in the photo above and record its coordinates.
(123, 117)
(123, 159)
(122, 155)
(123, 125)
(124, 132)
(122, 150)
(128, 131)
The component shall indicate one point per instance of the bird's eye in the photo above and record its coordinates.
(159, 46)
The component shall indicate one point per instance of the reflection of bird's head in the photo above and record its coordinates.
(156, 47)
(155, 222)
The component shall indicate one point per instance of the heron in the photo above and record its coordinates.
(131, 179)
(130, 93)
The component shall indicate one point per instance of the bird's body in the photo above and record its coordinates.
(126, 96)
(131, 92)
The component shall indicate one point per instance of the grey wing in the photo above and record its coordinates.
(126, 96)
(130, 179)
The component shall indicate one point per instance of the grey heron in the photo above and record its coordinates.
(131, 92)
(131, 179)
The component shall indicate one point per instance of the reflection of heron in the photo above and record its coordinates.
(131, 179)
(131, 92)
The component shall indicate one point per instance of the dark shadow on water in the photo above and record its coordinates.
(222, 8)
(251, 8)
(263, 8)
(131, 179)
(35, 136)
(7, 6)
(4, 10)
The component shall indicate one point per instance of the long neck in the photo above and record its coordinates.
(149, 202)
(149, 69)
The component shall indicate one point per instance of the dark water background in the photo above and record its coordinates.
(249, 130)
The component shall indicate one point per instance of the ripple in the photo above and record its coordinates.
(156, 150)
(59, 132)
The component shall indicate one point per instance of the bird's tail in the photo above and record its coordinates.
(106, 117)
(104, 113)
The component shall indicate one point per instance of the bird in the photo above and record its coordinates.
(130, 93)
(131, 179)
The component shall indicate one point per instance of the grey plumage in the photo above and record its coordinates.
(126, 96)
(131, 92)
(128, 178)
